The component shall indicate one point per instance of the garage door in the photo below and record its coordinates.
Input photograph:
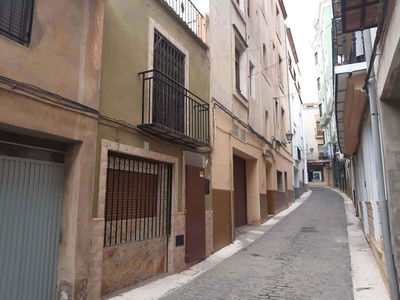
(31, 194)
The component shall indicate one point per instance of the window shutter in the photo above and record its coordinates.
(15, 19)
(131, 195)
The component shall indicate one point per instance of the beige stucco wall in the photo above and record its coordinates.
(230, 22)
(79, 131)
(63, 58)
(64, 55)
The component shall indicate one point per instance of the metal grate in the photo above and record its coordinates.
(138, 199)
(169, 100)
(16, 19)
(168, 59)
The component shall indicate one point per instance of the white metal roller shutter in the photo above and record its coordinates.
(31, 193)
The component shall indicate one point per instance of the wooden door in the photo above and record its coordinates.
(195, 214)
(240, 193)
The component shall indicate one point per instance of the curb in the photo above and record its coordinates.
(366, 277)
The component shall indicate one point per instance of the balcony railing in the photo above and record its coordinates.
(172, 112)
(323, 152)
(345, 45)
(189, 14)
(347, 49)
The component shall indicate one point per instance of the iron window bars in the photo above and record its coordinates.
(16, 20)
(138, 199)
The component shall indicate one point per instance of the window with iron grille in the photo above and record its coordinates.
(138, 199)
(16, 20)
(168, 97)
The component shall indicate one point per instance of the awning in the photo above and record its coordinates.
(349, 100)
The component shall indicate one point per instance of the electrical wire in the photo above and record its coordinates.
(269, 67)
(35, 91)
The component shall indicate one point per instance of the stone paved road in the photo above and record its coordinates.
(305, 256)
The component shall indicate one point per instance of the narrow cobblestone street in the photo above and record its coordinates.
(305, 256)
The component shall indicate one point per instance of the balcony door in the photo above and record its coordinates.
(168, 92)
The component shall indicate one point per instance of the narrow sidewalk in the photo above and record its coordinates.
(367, 280)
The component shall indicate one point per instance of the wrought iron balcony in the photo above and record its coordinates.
(189, 14)
(323, 152)
(348, 48)
(173, 113)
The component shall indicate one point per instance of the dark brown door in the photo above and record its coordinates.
(286, 188)
(239, 178)
(195, 214)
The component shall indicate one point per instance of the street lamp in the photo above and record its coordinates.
(311, 150)
(289, 136)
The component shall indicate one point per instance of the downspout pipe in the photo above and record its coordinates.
(370, 88)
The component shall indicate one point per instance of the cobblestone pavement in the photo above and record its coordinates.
(305, 256)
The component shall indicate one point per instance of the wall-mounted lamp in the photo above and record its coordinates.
(265, 156)
(289, 136)
(311, 150)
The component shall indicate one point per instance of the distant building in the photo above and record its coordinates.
(251, 161)
(299, 149)
(319, 171)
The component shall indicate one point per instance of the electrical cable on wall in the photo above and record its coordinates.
(26, 87)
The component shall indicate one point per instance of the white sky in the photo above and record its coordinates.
(302, 16)
(201, 5)
(301, 19)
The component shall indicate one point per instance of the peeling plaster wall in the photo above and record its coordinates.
(64, 55)
(64, 58)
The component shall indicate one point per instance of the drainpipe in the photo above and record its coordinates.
(371, 91)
